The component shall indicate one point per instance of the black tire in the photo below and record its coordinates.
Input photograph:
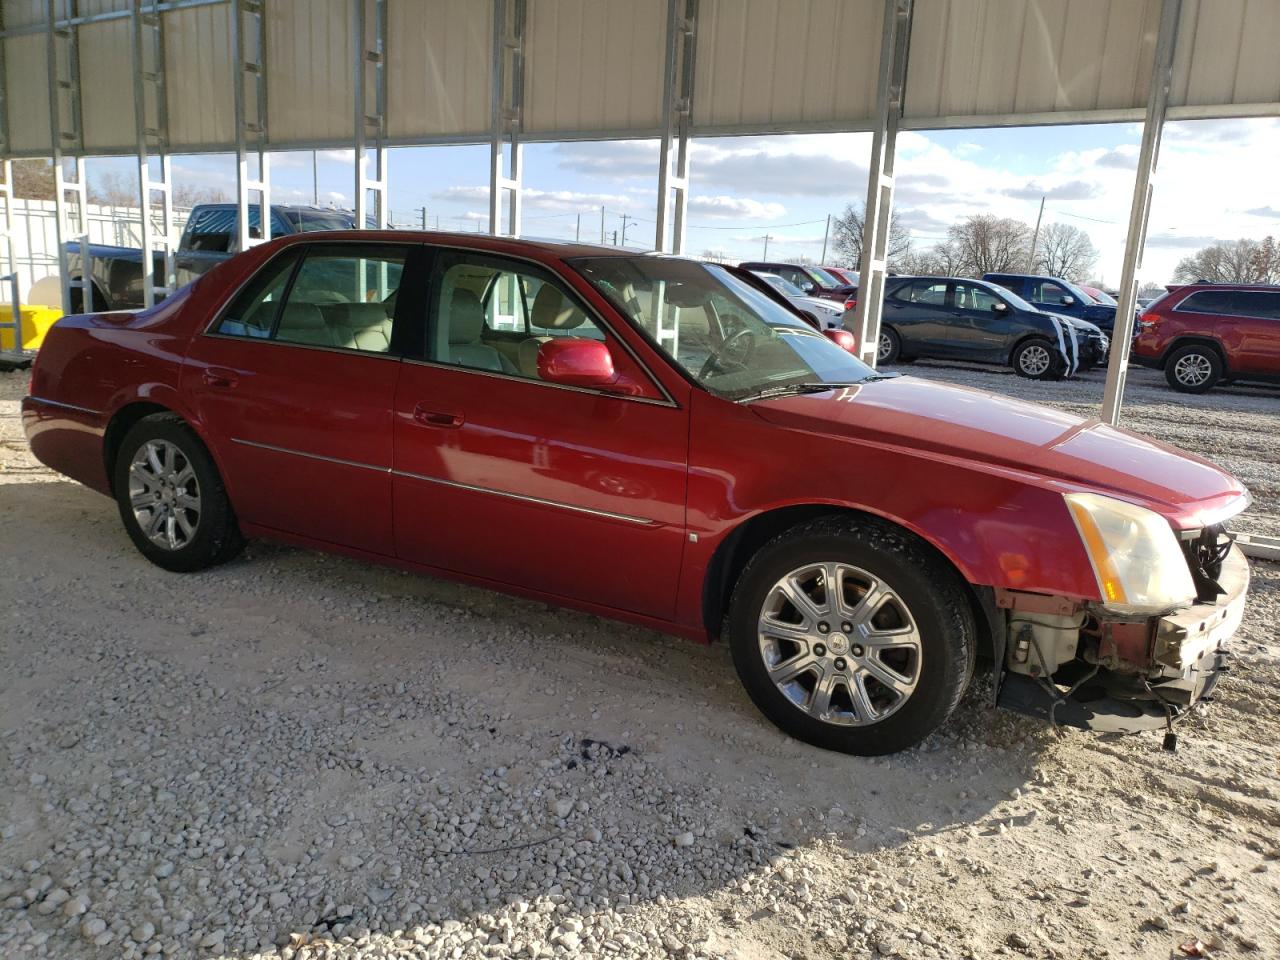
(890, 346)
(1038, 359)
(927, 587)
(1194, 368)
(215, 536)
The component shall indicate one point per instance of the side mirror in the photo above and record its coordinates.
(807, 286)
(1068, 301)
(576, 362)
(1000, 307)
(843, 339)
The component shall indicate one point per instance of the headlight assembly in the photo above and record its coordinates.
(1135, 555)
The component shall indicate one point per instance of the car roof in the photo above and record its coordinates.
(1210, 285)
(478, 241)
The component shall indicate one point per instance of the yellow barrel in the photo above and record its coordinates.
(36, 322)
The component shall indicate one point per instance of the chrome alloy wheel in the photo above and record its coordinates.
(1034, 360)
(840, 644)
(1193, 369)
(884, 346)
(164, 494)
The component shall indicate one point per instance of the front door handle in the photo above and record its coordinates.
(436, 418)
(219, 377)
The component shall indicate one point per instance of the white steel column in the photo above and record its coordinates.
(677, 117)
(371, 108)
(151, 118)
(507, 103)
(1140, 211)
(890, 86)
(249, 42)
(66, 133)
(6, 222)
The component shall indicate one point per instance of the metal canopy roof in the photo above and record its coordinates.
(594, 68)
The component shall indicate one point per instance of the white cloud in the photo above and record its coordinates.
(735, 207)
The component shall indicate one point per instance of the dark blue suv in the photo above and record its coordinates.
(1055, 295)
(955, 318)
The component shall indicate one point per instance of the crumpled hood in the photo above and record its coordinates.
(1002, 434)
(1081, 326)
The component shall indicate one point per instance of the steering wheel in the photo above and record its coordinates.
(735, 352)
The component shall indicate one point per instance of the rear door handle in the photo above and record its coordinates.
(436, 418)
(219, 377)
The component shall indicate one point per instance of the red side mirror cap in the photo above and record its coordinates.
(576, 362)
(844, 339)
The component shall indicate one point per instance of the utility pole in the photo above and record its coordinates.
(602, 226)
(315, 179)
(625, 218)
(615, 238)
(424, 217)
(767, 238)
(1035, 238)
(577, 233)
(825, 237)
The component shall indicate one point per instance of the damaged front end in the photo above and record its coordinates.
(1083, 665)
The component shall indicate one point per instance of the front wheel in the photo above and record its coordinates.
(171, 498)
(1037, 359)
(850, 634)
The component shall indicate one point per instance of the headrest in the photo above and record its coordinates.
(301, 316)
(551, 311)
(358, 315)
(466, 317)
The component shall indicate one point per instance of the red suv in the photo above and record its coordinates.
(1207, 333)
(653, 439)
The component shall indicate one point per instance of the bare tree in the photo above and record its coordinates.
(185, 195)
(985, 243)
(1232, 261)
(1151, 290)
(113, 189)
(846, 236)
(33, 179)
(1065, 251)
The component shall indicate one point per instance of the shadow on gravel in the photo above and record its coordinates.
(295, 744)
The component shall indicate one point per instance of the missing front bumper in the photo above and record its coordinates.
(1184, 662)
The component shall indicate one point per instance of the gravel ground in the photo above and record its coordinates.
(302, 756)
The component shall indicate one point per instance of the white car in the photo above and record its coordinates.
(828, 314)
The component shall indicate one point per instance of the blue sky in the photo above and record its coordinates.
(1216, 181)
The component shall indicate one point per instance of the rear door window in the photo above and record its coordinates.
(1261, 304)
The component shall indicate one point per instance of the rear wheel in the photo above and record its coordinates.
(1037, 359)
(849, 634)
(889, 347)
(171, 499)
(1194, 368)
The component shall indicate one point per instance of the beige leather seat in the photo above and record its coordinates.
(465, 321)
(304, 323)
(551, 311)
(360, 326)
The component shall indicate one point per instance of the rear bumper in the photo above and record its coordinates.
(1187, 657)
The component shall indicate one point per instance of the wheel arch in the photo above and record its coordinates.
(1023, 338)
(121, 422)
(735, 551)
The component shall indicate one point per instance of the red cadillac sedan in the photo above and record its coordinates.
(655, 440)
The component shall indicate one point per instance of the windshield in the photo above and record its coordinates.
(1008, 295)
(826, 279)
(784, 287)
(726, 335)
(1105, 298)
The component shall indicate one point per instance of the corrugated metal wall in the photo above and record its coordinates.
(594, 67)
(786, 63)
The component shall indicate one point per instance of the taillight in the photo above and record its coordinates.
(851, 303)
(843, 338)
(1148, 318)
